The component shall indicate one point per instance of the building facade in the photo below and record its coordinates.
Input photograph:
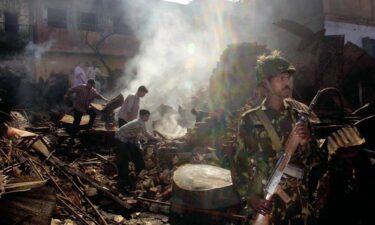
(57, 35)
(355, 19)
(16, 23)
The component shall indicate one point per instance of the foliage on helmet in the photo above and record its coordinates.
(271, 65)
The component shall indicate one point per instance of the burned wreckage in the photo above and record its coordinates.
(45, 176)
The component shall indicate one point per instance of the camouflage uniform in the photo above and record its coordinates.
(256, 157)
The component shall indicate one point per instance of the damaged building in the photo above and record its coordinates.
(38, 35)
(50, 175)
(68, 31)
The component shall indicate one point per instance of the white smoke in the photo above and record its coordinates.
(176, 56)
(36, 51)
(23, 64)
(179, 47)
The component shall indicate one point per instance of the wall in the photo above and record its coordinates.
(71, 39)
(351, 10)
(68, 45)
(353, 32)
(51, 63)
(22, 28)
(20, 7)
(306, 12)
(355, 19)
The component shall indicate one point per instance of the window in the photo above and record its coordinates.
(57, 17)
(87, 21)
(11, 22)
(120, 27)
(369, 46)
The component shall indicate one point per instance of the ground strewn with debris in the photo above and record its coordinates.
(73, 181)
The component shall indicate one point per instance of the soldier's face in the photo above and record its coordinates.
(281, 85)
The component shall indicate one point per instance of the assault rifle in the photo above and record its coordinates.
(272, 186)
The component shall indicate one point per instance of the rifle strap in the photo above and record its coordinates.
(275, 139)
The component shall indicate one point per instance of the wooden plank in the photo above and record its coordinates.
(68, 119)
(97, 106)
(14, 132)
(23, 186)
(113, 104)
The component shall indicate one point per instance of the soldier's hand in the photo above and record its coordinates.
(303, 132)
(261, 205)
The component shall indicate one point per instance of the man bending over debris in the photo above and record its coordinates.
(85, 94)
(129, 136)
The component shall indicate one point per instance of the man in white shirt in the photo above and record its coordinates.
(130, 107)
(79, 75)
(129, 135)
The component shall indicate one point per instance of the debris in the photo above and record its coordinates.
(68, 119)
(118, 218)
(34, 206)
(97, 107)
(56, 222)
(113, 104)
(83, 172)
(90, 191)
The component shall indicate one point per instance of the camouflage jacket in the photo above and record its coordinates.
(255, 158)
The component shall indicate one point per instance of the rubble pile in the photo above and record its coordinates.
(80, 174)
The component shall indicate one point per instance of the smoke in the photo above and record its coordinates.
(36, 51)
(169, 125)
(179, 47)
(17, 75)
(305, 12)
(177, 53)
(22, 64)
(181, 44)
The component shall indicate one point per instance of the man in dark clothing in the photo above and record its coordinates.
(84, 95)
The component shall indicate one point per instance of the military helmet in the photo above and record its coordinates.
(272, 65)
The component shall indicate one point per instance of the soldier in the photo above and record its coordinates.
(262, 133)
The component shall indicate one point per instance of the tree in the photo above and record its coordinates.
(97, 46)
